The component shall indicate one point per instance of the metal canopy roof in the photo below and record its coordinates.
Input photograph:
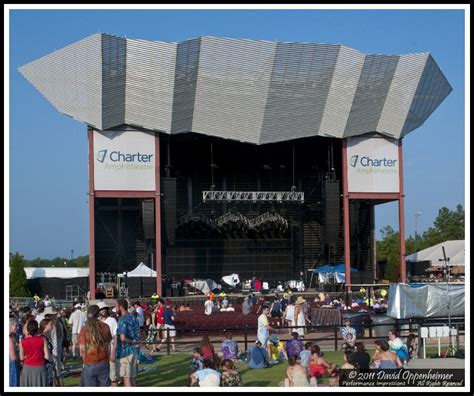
(252, 91)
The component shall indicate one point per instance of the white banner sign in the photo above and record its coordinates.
(124, 161)
(372, 165)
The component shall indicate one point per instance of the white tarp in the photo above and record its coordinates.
(231, 280)
(455, 251)
(56, 272)
(424, 301)
(141, 271)
(205, 286)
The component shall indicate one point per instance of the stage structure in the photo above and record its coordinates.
(214, 156)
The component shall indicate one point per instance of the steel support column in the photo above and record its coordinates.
(401, 218)
(90, 136)
(157, 215)
(347, 236)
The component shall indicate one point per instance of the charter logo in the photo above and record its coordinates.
(101, 155)
(353, 160)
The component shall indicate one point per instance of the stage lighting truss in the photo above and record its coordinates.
(254, 196)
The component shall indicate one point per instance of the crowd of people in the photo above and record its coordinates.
(107, 339)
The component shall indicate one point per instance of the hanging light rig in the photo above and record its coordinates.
(252, 196)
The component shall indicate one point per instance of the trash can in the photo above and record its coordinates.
(383, 324)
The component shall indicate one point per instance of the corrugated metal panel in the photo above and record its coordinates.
(71, 79)
(431, 91)
(187, 62)
(232, 87)
(113, 80)
(342, 91)
(300, 82)
(253, 91)
(374, 83)
(150, 84)
(400, 95)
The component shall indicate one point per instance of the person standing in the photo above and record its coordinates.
(299, 319)
(263, 332)
(94, 345)
(128, 343)
(208, 306)
(76, 320)
(158, 322)
(168, 327)
(289, 314)
(104, 316)
(34, 354)
(246, 308)
(140, 316)
(13, 354)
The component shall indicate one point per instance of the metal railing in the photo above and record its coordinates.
(333, 333)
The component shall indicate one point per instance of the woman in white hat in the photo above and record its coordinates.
(299, 318)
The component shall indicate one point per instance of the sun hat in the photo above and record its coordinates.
(49, 310)
(102, 305)
(299, 300)
(274, 338)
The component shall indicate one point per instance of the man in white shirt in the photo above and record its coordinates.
(208, 306)
(112, 323)
(76, 320)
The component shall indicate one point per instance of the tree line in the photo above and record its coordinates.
(448, 226)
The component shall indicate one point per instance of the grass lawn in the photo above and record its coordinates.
(173, 370)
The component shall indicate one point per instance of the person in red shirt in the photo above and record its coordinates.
(258, 285)
(33, 354)
(158, 323)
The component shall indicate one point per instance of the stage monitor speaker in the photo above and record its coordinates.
(332, 211)
(148, 214)
(169, 208)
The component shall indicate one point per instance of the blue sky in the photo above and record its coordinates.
(48, 213)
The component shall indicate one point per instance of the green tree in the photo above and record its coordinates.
(18, 284)
(388, 249)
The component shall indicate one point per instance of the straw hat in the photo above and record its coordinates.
(299, 300)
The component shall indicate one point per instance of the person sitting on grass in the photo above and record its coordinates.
(397, 345)
(383, 358)
(207, 377)
(294, 346)
(349, 361)
(361, 357)
(196, 364)
(230, 376)
(207, 349)
(277, 350)
(295, 374)
(305, 355)
(318, 366)
(230, 348)
(257, 357)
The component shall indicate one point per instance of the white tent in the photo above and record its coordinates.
(141, 271)
(454, 251)
(56, 272)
